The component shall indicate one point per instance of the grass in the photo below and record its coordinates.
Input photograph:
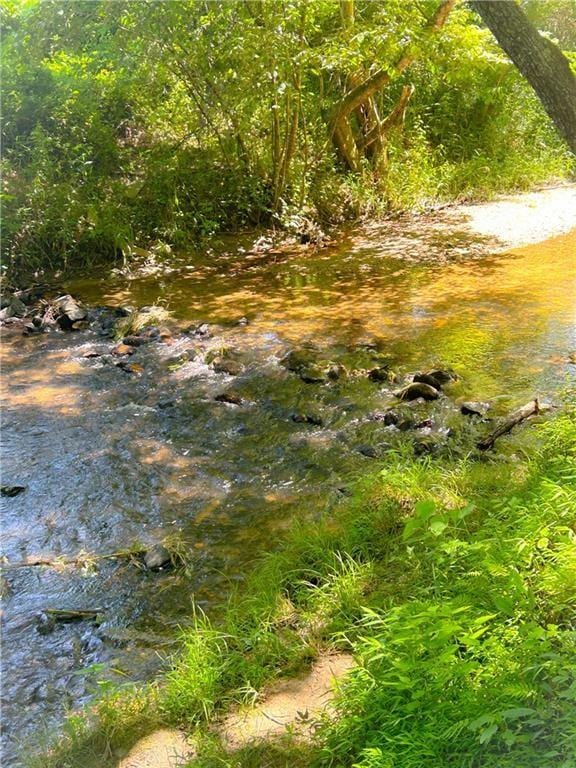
(453, 582)
(138, 321)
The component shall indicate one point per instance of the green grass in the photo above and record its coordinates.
(453, 582)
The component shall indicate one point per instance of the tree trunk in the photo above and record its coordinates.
(338, 125)
(540, 61)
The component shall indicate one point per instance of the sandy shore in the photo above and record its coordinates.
(472, 231)
(525, 218)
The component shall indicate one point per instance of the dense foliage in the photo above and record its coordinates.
(143, 122)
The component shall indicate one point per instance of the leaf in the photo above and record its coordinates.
(438, 526)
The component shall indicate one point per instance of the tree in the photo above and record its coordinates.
(540, 61)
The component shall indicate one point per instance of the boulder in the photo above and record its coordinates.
(442, 377)
(68, 311)
(426, 378)
(417, 389)
(13, 307)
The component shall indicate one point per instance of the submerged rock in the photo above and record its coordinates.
(417, 389)
(165, 403)
(368, 450)
(201, 331)
(157, 557)
(389, 418)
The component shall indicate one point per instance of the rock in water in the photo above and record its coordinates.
(134, 368)
(136, 340)
(123, 349)
(442, 377)
(233, 398)
(68, 311)
(225, 365)
(474, 409)
(307, 418)
(313, 374)
(298, 359)
(427, 378)
(379, 374)
(418, 389)
(12, 490)
(157, 557)
(337, 371)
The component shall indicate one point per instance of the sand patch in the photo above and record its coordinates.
(161, 749)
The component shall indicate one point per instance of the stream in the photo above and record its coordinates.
(110, 459)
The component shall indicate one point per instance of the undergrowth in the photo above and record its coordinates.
(454, 586)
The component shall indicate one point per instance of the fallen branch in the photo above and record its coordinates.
(533, 408)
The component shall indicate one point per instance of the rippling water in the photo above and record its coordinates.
(104, 466)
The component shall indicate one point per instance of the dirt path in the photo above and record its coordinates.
(518, 220)
(294, 706)
(477, 230)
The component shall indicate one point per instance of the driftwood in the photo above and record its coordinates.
(533, 408)
(81, 559)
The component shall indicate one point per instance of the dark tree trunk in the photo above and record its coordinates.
(540, 61)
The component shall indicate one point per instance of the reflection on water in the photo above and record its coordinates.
(105, 467)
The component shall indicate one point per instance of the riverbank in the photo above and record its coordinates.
(450, 582)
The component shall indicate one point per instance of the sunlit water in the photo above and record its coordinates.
(105, 467)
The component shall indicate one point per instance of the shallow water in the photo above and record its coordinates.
(104, 466)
